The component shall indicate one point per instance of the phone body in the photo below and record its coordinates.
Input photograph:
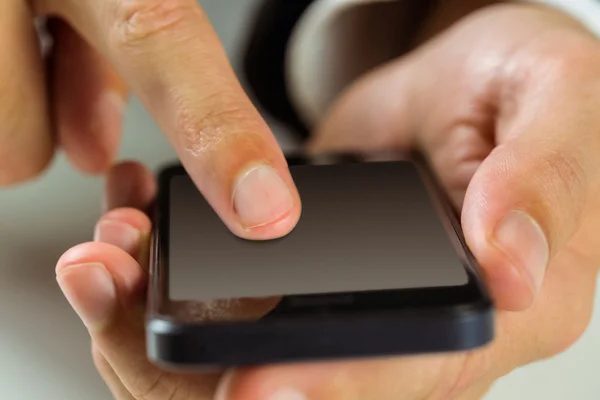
(376, 267)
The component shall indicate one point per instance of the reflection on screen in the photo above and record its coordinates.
(364, 227)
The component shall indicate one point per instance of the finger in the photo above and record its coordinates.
(106, 287)
(127, 229)
(109, 376)
(529, 196)
(26, 143)
(530, 175)
(384, 110)
(172, 58)
(129, 184)
(88, 99)
(374, 113)
(122, 228)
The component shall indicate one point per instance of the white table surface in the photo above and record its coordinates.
(44, 350)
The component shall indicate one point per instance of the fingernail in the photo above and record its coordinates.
(525, 243)
(90, 290)
(119, 234)
(261, 197)
(288, 394)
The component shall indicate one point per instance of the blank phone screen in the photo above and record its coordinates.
(364, 227)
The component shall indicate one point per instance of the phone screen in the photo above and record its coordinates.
(364, 227)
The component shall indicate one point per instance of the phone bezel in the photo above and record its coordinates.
(466, 311)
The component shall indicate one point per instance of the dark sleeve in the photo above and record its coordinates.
(264, 59)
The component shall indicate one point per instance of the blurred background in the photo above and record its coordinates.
(44, 350)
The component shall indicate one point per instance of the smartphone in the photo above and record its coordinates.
(377, 266)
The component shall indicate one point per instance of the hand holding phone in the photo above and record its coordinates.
(116, 328)
(377, 266)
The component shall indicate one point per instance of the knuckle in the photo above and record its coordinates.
(571, 58)
(581, 59)
(137, 21)
(557, 65)
(564, 182)
(552, 185)
(565, 171)
(200, 133)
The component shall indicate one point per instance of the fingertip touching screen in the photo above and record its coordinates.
(364, 227)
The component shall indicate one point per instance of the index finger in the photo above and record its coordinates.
(173, 60)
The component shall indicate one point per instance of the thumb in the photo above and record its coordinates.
(530, 196)
(522, 206)
(376, 112)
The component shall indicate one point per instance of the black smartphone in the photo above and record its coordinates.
(377, 266)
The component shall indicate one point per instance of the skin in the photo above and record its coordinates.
(478, 120)
(509, 124)
(166, 52)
